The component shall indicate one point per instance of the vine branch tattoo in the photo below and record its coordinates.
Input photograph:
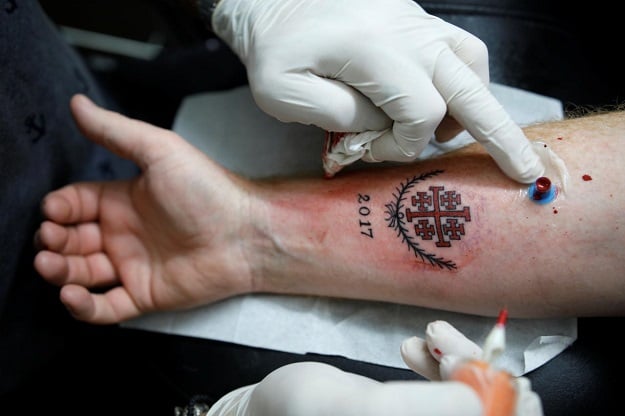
(436, 216)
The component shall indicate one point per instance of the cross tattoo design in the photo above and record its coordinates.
(433, 215)
(437, 216)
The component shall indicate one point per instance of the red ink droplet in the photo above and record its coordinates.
(541, 187)
(543, 184)
(437, 351)
(587, 178)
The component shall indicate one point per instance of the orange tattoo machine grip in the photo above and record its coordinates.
(495, 388)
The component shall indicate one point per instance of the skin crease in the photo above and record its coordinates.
(187, 232)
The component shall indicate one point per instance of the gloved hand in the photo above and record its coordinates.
(385, 66)
(445, 351)
(311, 388)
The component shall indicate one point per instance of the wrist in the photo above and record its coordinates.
(283, 256)
(307, 243)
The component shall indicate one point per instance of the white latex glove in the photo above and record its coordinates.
(311, 388)
(378, 65)
(445, 349)
(315, 389)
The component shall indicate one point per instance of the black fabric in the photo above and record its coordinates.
(548, 47)
(40, 150)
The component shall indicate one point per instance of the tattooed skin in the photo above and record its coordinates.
(427, 215)
(364, 211)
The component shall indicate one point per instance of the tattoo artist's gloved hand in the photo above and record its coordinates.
(444, 350)
(383, 65)
(312, 389)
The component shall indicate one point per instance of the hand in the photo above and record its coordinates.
(384, 66)
(445, 350)
(312, 389)
(170, 238)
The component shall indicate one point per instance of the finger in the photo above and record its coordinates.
(410, 100)
(131, 139)
(94, 270)
(415, 353)
(447, 130)
(73, 203)
(473, 52)
(471, 103)
(81, 239)
(528, 402)
(444, 339)
(111, 307)
(449, 364)
(313, 100)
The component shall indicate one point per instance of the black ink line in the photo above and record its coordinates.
(395, 219)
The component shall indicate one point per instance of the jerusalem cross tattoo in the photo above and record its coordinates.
(434, 215)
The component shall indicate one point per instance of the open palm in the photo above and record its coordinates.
(167, 239)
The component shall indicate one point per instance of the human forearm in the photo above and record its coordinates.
(354, 236)
(187, 232)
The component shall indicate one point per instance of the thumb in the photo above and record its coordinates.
(528, 401)
(443, 343)
(444, 339)
(416, 355)
(135, 140)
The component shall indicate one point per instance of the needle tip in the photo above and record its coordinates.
(503, 317)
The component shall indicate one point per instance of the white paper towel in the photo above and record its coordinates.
(229, 127)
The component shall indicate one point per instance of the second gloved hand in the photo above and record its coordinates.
(445, 350)
(386, 65)
(313, 388)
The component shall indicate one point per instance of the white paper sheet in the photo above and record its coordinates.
(229, 127)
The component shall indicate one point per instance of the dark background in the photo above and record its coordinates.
(548, 47)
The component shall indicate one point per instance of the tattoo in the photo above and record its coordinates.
(436, 215)
(364, 211)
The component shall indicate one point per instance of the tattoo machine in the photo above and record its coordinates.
(496, 388)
